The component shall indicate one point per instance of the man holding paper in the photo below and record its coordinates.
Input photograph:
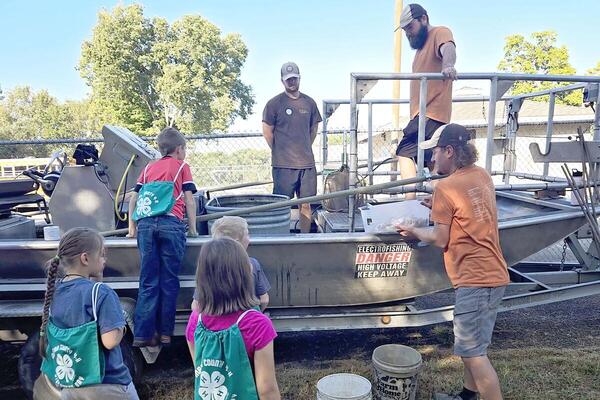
(463, 209)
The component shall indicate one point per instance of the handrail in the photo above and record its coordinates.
(288, 203)
(498, 86)
(476, 76)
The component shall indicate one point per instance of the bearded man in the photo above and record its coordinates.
(436, 52)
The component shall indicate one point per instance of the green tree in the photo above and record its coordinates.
(25, 115)
(541, 55)
(146, 74)
(595, 70)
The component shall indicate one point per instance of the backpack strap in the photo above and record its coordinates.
(244, 314)
(144, 178)
(95, 291)
(179, 170)
(175, 179)
(239, 318)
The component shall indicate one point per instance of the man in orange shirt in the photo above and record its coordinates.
(436, 52)
(463, 209)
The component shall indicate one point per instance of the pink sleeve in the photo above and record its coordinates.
(257, 329)
(191, 326)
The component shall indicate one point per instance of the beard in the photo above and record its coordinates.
(418, 41)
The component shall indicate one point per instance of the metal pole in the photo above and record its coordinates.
(597, 117)
(353, 161)
(377, 188)
(397, 66)
(549, 128)
(489, 151)
(324, 144)
(510, 144)
(389, 76)
(370, 145)
(422, 121)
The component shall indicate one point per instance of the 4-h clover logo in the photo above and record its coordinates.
(211, 386)
(64, 368)
(144, 205)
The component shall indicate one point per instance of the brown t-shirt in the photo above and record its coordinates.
(466, 200)
(292, 120)
(439, 93)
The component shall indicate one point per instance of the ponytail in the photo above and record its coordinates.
(73, 243)
(50, 285)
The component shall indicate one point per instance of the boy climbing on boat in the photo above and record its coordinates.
(164, 192)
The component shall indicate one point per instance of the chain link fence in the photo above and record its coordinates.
(220, 160)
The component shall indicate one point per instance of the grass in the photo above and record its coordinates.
(526, 373)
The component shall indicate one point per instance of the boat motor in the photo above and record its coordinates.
(95, 194)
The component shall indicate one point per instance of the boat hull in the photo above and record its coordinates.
(309, 270)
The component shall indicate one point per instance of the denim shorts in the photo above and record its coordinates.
(408, 146)
(474, 319)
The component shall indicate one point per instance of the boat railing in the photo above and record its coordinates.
(500, 83)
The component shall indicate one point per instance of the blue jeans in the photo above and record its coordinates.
(161, 242)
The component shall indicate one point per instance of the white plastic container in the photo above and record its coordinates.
(380, 218)
(343, 386)
(396, 369)
(52, 232)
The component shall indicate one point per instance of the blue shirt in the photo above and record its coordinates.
(72, 306)
(261, 283)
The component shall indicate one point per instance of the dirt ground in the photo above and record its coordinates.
(544, 352)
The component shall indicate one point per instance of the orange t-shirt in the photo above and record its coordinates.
(439, 93)
(466, 200)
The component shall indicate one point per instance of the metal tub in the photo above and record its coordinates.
(272, 222)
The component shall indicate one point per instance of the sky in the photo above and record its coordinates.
(41, 40)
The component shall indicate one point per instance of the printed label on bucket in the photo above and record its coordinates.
(394, 388)
(382, 260)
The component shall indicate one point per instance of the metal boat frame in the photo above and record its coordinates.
(19, 310)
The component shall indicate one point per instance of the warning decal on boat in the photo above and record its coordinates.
(382, 260)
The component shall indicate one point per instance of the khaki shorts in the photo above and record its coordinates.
(474, 319)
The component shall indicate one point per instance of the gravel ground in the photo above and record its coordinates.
(572, 324)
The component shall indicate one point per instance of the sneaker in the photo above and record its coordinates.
(165, 340)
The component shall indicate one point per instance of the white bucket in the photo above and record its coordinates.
(343, 386)
(396, 370)
(52, 232)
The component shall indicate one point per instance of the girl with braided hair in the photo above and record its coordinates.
(83, 324)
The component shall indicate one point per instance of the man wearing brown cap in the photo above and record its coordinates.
(290, 122)
(436, 52)
(466, 227)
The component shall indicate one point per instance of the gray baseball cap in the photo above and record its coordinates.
(447, 135)
(289, 70)
(410, 12)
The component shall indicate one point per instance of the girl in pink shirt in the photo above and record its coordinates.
(226, 301)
